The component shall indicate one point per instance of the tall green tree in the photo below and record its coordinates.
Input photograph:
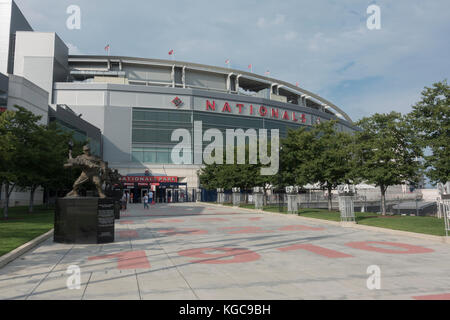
(295, 153)
(321, 155)
(44, 160)
(331, 158)
(430, 118)
(387, 152)
(18, 130)
(227, 176)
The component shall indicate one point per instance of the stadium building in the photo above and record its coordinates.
(137, 103)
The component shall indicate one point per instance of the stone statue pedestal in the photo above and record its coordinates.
(116, 195)
(84, 220)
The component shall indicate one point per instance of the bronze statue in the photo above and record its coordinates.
(111, 178)
(93, 169)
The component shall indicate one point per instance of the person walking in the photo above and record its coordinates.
(145, 201)
(124, 201)
(150, 197)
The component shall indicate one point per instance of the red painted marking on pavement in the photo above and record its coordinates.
(239, 230)
(410, 249)
(183, 232)
(126, 222)
(165, 220)
(127, 260)
(222, 213)
(239, 255)
(316, 249)
(443, 296)
(251, 219)
(128, 234)
(300, 228)
(211, 219)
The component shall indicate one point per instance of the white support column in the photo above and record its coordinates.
(229, 82)
(183, 77)
(173, 76)
(237, 83)
(271, 89)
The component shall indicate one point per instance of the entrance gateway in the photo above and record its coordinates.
(166, 189)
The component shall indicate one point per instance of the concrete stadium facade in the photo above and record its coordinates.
(137, 103)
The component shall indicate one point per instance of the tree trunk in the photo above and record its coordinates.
(47, 196)
(30, 208)
(6, 205)
(330, 202)
(383, 200)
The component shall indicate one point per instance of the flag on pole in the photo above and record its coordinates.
(171, 52)
(227, 62)
(107, 48)
(296, 84)
(250, 67)
(267, 73)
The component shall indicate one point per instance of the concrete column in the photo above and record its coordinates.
(346, 203)
(220, 196)
(198, 195)
(258, 196)
(292, 195)
(236, 197)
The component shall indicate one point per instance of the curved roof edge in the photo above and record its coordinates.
(214, 69)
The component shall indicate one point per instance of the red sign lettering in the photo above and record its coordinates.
(262, 111)
(274, 113)
(226, 107)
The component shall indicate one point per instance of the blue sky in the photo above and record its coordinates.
(324, 45)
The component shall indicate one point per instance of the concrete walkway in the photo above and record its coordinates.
(188, 251)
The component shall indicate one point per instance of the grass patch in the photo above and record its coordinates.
(425, 225)
(21, 226)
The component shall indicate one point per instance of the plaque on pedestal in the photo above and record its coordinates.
(84, 220)
(105, 220)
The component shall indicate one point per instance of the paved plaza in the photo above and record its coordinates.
(192, 251)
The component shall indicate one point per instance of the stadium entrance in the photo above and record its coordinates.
(165, 189)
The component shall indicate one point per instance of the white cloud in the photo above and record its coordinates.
(279, 19)
(73, 49)
(261, 22)
(290, 35)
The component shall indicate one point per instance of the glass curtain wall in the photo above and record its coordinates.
(152, 130)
